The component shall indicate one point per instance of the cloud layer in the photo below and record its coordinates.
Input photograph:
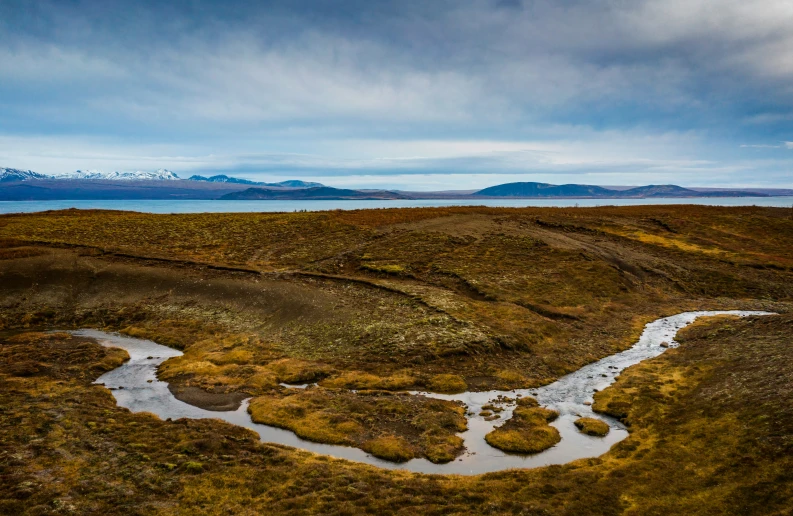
(699, 92)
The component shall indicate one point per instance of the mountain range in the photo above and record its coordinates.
(165, 184)
(543, 190)
(8, 175)
(292, 183)
(137, 175)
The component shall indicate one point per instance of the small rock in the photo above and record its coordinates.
(664, 344)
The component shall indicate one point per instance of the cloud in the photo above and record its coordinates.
(398, 87)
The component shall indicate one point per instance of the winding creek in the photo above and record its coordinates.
(136, 387)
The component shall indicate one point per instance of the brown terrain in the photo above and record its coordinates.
(382, 301)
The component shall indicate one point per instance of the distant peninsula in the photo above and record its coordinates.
(314, 193)
(545, 190)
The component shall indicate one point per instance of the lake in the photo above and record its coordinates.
(214, 206)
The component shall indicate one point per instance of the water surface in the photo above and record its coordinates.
(216, 206)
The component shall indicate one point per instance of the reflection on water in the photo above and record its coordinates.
(136, 387)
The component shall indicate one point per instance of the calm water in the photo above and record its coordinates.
(204, 206)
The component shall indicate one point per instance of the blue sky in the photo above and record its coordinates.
(403, 94)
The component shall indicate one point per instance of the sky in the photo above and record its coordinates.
(409, 94)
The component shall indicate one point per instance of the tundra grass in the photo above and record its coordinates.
(710, 426)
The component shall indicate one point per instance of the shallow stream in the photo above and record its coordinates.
(136, 387)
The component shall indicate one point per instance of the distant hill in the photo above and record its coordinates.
(315, 193)
(543, 190)
(222, 179)
(292, 183)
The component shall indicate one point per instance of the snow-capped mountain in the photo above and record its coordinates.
(138, 175)
(12, 174)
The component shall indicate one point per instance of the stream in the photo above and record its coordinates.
(136, 387)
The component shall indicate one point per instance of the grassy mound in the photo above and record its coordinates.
(390, 447)
(592, 426)
(532, 439)
(527, 431)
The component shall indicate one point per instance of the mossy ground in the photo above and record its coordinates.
(398, 299)
(369, 420)
(711, 433)
(503, 298)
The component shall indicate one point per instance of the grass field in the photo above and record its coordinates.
(442, 299)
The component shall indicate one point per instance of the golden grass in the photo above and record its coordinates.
(527, 401)
(527, 440)
(389, 447)
(592, 426)
(447, 383)
(360, 380)
(527, 431)
(427, 426)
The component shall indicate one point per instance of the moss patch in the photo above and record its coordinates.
(592, 426)
(527, 431)
(447, 383)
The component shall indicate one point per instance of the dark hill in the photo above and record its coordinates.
(321, 192)
(544, 190)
